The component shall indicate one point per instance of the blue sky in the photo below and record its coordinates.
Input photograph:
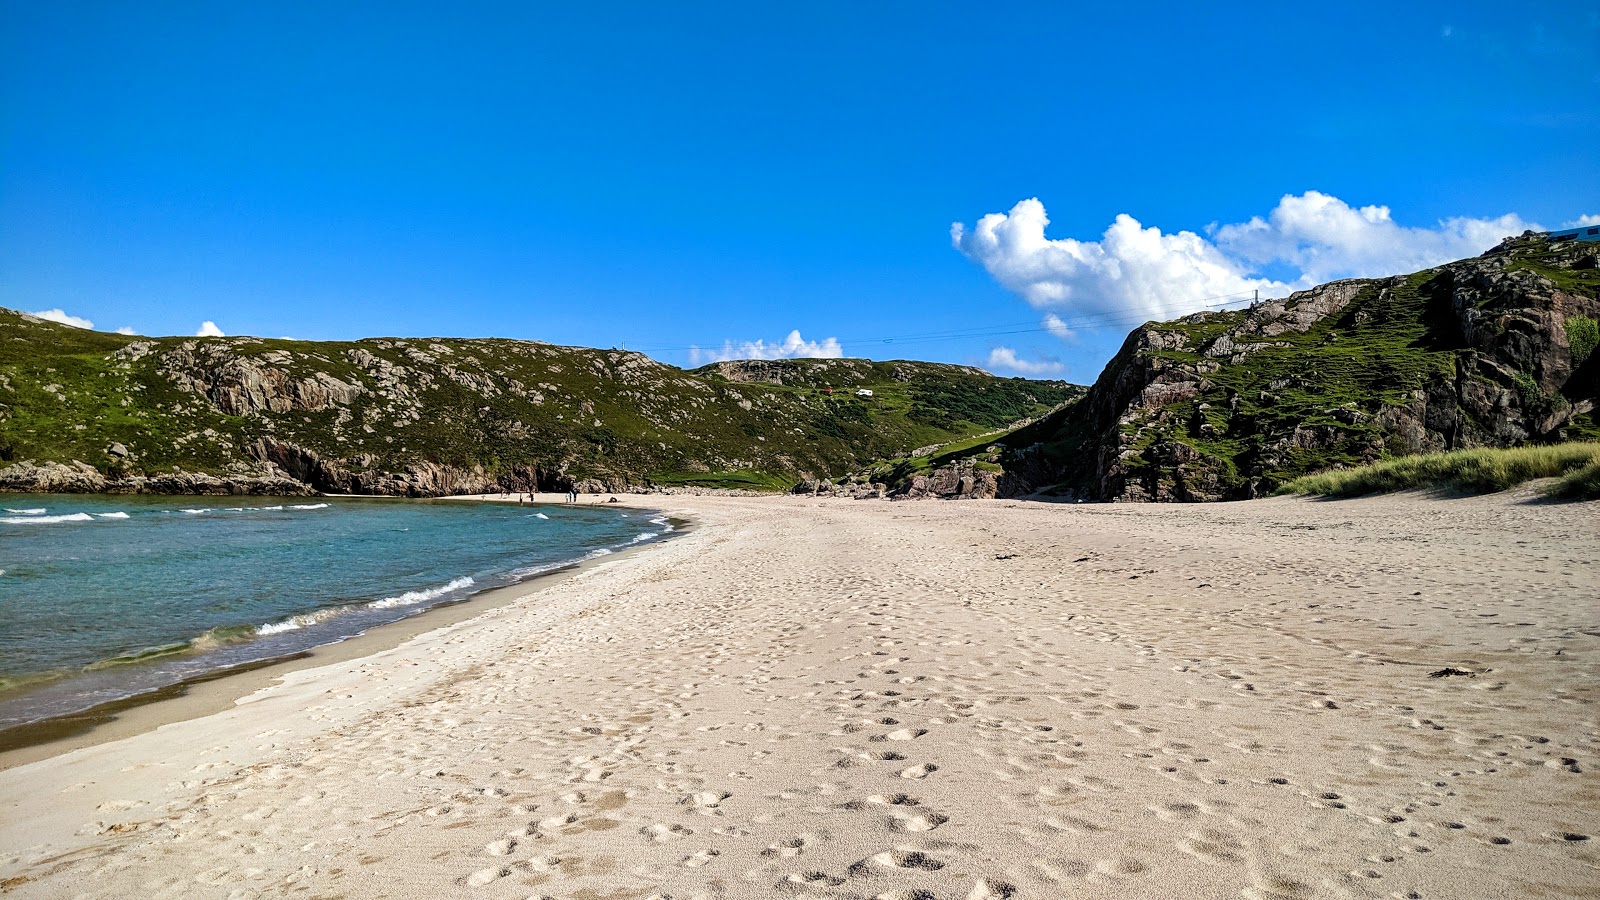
(674, 177)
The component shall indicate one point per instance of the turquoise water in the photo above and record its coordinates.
(103, 597)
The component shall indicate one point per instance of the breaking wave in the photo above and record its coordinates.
(46, 520)
(294, 623)
(411, 598)
(27, 512)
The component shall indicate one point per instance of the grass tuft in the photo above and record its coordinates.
(1479, 471)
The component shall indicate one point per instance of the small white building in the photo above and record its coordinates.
(863, 393)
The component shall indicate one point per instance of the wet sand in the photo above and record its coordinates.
(826, 698)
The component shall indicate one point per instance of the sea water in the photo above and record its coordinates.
(106, 597)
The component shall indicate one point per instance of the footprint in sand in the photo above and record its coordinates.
(705, 800)
(905, 734)
(486, 876)
(661, 833)
(501, 848)
(923, 821)
(896, 859)
(787, 848)
(696, 860)
(989, 889)
(894, 800)
(795, 880)
(921, 770)
(556, 822)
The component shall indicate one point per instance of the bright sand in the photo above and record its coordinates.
(912, 700)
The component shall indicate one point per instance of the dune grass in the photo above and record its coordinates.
(1479, 471)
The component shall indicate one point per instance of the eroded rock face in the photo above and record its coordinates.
(82, 478)
(244, 385)
(1478, 356)
(415, 479)
(961, 481)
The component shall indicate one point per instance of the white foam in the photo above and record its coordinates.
(46, 520)
(411, 598)
(197, 512)
(294, 623)
(309, 506)
(665, 525)
(27, 512)
(641, 538)
(111, 515)
(270, 508)
(594, 554)
(540, 516)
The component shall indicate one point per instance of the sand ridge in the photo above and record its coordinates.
(926, 700)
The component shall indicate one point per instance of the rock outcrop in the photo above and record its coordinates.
(87, 411)
(82, 478)
(1220, 406)
(960, 481)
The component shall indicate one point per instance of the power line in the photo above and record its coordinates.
(1084, 322)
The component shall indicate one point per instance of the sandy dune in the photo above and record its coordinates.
(921, 700)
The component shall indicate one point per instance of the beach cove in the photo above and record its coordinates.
(1386, 697)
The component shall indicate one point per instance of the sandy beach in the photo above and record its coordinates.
(828, 698)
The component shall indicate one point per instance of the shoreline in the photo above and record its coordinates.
(993, 699)
(217, 690)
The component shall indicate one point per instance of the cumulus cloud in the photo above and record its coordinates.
(1131, 269)
(1583, 221)
(209, 328)
(1325, 238)
(126, 329)
(1134, 273)
(1053, 324)
(65, 318)
(1007, 358)
(792, 346)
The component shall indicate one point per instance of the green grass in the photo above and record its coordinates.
(1583, 334)
(506, 406)
(740, 480)
(1479, 471)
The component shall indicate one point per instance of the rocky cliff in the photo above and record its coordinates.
(1492, 351)
(89, 411)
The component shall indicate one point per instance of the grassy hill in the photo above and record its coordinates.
(1494, 351)
(425, 416)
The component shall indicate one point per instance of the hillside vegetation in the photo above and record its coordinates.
(1478, 471)
(1494, 351)
(85, 410)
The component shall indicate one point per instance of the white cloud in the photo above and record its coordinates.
(209, 328)
(1325, 238)
(63, 317)
(1053, 324)
(1007, 358)
(1133, 273)
(1583, 221)
(126, 329)
(792, 346)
